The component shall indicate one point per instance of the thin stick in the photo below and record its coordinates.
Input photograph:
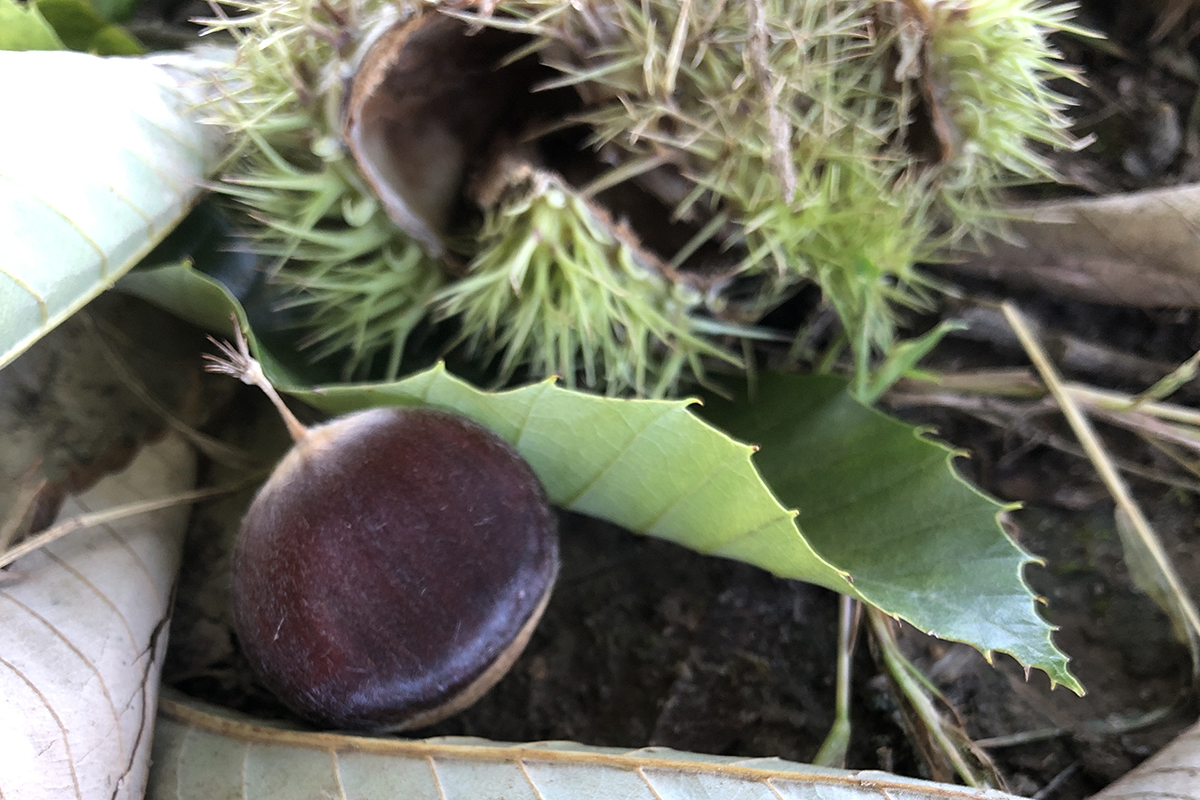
(56, 532)
(239, 364)
(1011, 416)
(1151, 427)
(1119, 401)
(15, 526)
(1113, 725)
(1104, 467)
(1021, 384)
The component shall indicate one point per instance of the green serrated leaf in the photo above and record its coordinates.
(102, 159)
(884, 504)
(84, 30)
(877, 500)
(23, 28)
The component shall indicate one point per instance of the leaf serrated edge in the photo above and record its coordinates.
(1025, 558)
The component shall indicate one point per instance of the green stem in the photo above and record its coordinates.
(833, 750)
(905, 675)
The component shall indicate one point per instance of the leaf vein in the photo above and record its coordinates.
(87, 662)
(41, 301)
(684, 495)
(529, 778)
(600, 473)
(96, 590)
(437, 780)
(789, 516)
(188, 733)
(246, 771)
(57, 721)
(197, 151)
(533, 401)
(337, 774)
(145, 570)
(641, 771)
(39, 199)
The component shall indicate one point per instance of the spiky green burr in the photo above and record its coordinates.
(558, 288)
(362, 284)
(833, 141)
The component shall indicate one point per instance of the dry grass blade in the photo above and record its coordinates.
(1142, 545)
(83, 521)
(16, 524)
(837, 743)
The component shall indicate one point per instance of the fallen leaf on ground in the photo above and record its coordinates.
(1138, 249)
(1172, 774)
(203, 753)
(84, 623)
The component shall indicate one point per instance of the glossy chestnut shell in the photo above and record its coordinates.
(392, 568)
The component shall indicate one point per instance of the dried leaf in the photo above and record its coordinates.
(203, 755)
(84, 624)
(1172, 774)
(1140, 249)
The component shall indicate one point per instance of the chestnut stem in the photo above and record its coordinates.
(241, 365)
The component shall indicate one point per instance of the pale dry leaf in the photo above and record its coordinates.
(205, 753)
(1171, 774)
(1138, 249)
(84, 624)
(100, 158)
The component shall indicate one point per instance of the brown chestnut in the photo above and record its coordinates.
(392, 567)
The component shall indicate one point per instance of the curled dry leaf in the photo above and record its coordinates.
(1172, 774)
(198, 754)
(1140, 249)
(84, 624)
